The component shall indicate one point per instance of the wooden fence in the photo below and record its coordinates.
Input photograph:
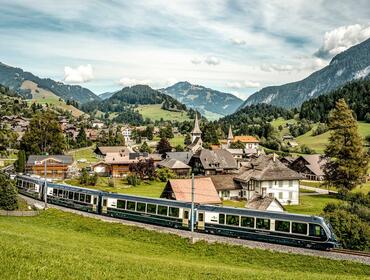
(19, 213)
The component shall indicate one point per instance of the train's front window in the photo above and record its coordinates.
(333, 236)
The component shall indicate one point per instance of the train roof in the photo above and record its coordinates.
(30, 179)
(74, 188)
(261, 214)
(168, 202)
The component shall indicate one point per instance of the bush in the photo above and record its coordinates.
(111, 183)
(88, 180)
(8, 194)
(133, 180)
(306, 150)
(164, 174)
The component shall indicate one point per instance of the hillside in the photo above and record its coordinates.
(347, 66)
(57, 245)
(42, 96)
(156, 113)
(211, 103)
(13, 78)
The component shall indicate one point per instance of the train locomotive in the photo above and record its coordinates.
(265, 226)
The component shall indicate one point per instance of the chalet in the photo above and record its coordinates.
(287, 161)
(267, 203)
(57, 166)
(102, 151)
(267, 176)
(310, 167)
(181, 189)
(207, 162)
(178, 167)
(101, 168)
(181, 156)
(92, 134)
(226, 187)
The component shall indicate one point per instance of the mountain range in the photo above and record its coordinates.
(211, 103)
(347, 66)
(15, 78)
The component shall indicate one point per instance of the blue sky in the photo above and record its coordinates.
(233, 46)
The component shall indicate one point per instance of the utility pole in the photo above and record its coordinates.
(192, 203)
(45, 184)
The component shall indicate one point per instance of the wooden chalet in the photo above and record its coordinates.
(57, 166)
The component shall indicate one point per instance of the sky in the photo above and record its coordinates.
(232, 46)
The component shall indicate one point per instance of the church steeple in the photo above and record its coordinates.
(230, 137)
(196, 132)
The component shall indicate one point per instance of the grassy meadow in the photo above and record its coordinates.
(155, 112)
(59, 245)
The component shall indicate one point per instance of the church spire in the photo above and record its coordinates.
(230, 135)
(196, 129)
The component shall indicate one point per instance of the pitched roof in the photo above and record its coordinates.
(172, 163)
(204, 190)
(225, 182)
(315, 163)
(262, 203)
(230, 134)
(197, 141)
(246, 139)
(58, 159)
(217, 159)
(181, 156)
(196, 129)
(112, 149)
(266, 168)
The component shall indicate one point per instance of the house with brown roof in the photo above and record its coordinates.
(226, 187)
(181, 189)
(310, 167)
(56, 166)
(178, 167)
(207, 162)
(102, 151)
(267, 203)
(267, 176)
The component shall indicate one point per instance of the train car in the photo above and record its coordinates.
(164, 212)
(267, 226)
(30, 186)
(74, 197)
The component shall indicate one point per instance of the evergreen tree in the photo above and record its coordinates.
(149, 132)
(347, 160)
(8, 194)
(164, 146)
(81, 139)
(21, 162)
(179, 148)
(187, 140)
(43, 135)
(145, 148)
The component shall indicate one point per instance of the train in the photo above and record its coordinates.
(265, 226)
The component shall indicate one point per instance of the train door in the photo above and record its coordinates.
(104, 205)
(200, 220)
(95, 203)
(185, 218)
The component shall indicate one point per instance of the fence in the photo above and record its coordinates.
(19, 213)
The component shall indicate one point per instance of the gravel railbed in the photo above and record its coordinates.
(196, 236)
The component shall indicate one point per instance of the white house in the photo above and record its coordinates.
(126, 132)
(97, 124)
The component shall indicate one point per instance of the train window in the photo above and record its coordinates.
(221, 219)
(186, 214)
(140, 207)
(151, 208)
(247, 222)
(131, 205)
(104, 202)
(262, 223)
(76, 196)
(201, 217)
(316, 230)
(299, 228)
(65, 194)
(232, 220)
(283, 226)
(60, 193)
(95, 200)
(162, 210)
(70, 195)
(82, 197)
(121, 204)
(55, 192)
(88, 198)
(174, 212)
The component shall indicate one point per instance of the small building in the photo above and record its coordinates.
(102, 151)
(57, 166)
(126, 132)
(310, 167)
(287, 161)
(181, 156)
(226, 187)
(267, 203)
(181, 189)
(178, 167)
(92, 134)
(292, 143)
(207, 162)
(101, 168)
(97, 124)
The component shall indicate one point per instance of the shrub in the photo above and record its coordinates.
(133, 180)
(164, 174)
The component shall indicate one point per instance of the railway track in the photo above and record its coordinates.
(351, 252)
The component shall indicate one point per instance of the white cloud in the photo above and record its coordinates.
(212, 60)
(81, 74)
(238, 41)
(277, 67)
(244, 84)
(128, 82)
(342, 38)
(196, 60)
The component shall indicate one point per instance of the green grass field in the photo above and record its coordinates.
(84, 153)
(155, 112)
(311, 204)
(59, 245)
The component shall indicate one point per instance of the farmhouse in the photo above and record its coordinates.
(102, 151)
(310, 167)
(57, 166)
(178, 167)
(181, 156)
(180, 189)
(226, 187)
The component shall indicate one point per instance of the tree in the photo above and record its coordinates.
(179, 148)
(187, 140)
(347, 161)
(367, 118)
(149, 132)
(144, 148)
(164, 174)
(164, 146)
(237, 145)
(81, 139)
(21, 162)
(8, 194)
(144, 169)
(43, 135)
